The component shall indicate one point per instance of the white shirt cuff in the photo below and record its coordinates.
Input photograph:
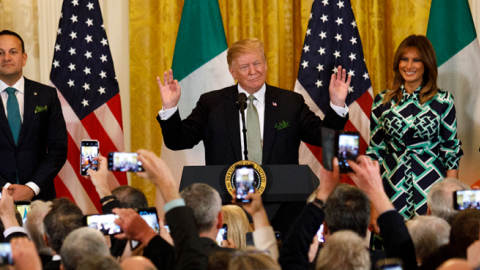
(342, 111)
(172, 204)
(166, 114)
(14, 229)
(34, 187)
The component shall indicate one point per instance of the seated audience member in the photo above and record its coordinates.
(428, 233)
(63, 218)
(344, 250)
(24, 254)
(82, 244)
(99, 262)
(440, 198)
(137, 263)
(35, 229)
(237, 224)
(252, 259)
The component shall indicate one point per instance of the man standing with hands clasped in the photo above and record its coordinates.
(276, 123)
(33, 134)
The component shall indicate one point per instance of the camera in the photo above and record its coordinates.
(103, 223)
(244, 182)
(344, 145)
(88, 151)
(124, 162)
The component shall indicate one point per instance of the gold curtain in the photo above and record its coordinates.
(281, 24)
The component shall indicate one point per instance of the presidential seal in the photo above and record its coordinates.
(260, 178)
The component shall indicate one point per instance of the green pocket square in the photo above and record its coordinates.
(41, 109)
(282, 125)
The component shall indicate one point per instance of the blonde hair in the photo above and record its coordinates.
(238, 225)
(252, 259)
(249, 45)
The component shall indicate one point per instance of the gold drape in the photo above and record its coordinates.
(281, 24)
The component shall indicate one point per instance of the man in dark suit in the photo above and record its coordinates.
(33, 134)
(283, 117)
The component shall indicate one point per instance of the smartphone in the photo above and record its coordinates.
(6, 254)
(222, 234)
(103, 223)
(249, 238)
(466, 199)
(321, 239)
(124, 162)
(88, 151)
(244, 182)
(150, 216)
(23, 207)
(344, 145)
(389, 264)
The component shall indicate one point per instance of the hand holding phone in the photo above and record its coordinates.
(89, 149)
(244, 182)
(341, 144)
(103, 223)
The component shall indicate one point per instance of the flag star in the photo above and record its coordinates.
(351, 72)
(305, 64)
(89, 22)
(340, 4)
(350, 89)
(309, 32)
(73, 35)
(74, 19)
(323, 35)
(102, 26)
(101, 90)
(320, 67)
(337, 54)
(324, 18)
(352, 57)
(61, 15)
(339, 20)
(325, 2)
(59, 31)
(365, 76)
(354, 24)
(71, 83)
(103, 58)
(88, 54)
(57, 47)
(353, 40)
(334, 70)
(306, 48)
(72, 51)
(311, 15)
(321, 51)
(71, 67)
(338, 37)
(104, 42)
(87, 71)
(56, 63)
(86, 86)
(88, 39)
(319, 83)
(90, 6)
(103, 74)
(85, 103)
(75, 2)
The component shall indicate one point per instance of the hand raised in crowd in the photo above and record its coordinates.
(134, 227)
(7, 210)
(99, 177)
(21, 192)
(338, 87)
(170, 90)
(254, 208)
(164, 232)
(25, 255)
(329, 181)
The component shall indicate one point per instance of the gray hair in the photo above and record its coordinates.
(440, 198)
(205, 203)
(99, 262)
(34, 225)
(344, 250)
(428, 233)
(80, 244)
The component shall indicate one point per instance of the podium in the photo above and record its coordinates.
(288, 187)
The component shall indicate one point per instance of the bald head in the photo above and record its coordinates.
(455, 264)
(137, 262)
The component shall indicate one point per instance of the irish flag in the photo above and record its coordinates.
(452, 33)
(200, 65)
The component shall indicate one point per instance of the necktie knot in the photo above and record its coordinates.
(251, 98)
(10, 90)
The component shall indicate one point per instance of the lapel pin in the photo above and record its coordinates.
(274, 104)
(35, 93)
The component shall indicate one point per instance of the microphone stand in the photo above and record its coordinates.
(244, 131)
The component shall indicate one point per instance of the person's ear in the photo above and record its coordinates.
(45, 239)
(429, 211)
(220, 220)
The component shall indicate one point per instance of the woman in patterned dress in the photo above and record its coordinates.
(414, 129)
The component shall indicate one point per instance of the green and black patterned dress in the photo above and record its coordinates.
(415, 145)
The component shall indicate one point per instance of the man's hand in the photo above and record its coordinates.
(329, 181)
(21, 192)
(159, 174)
(25, 255)
(170, 91)
(99, 177)
(164, 232)
(255, 209)
(338, 88)
(134, 227)
(7, 210)
(229, 243)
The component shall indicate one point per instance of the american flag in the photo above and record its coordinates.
(332, 39)
(83, 73)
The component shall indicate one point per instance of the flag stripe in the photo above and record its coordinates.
(115, 105)
(108, 124)
(60, 188)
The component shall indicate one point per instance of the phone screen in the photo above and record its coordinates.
(222, 234)
(103, 223)
(466, 199)
(5, 254)
(23, 208)
(389, 264)
(348, 149)
(150, 216)
(321, 239)
(88, 151)
(244, 178)
(124, 162)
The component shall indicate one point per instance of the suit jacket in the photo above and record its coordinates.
(216, 121)
(42, 144)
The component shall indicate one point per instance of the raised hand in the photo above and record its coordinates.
(338, 88)
(170, 90)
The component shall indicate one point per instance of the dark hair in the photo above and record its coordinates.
(63, 218)
(11, 33)
(464, 231)
(130, 197)
(427, 56)
(347, 208)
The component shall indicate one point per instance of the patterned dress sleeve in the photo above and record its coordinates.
(377, 147)
(450, 151)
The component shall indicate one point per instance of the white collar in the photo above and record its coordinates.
(259, 95)
(19, 85)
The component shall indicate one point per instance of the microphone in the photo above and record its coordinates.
(242, 102)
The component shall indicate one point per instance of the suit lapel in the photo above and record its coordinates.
(271, 115)
(5, 126)
(233, 122)
(30, 100)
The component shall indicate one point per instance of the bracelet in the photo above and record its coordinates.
(320, 203)
(107, 198)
